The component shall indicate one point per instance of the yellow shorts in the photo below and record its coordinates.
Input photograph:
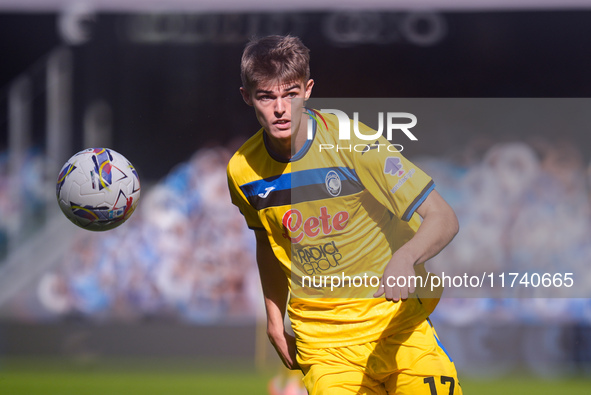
(414, 362)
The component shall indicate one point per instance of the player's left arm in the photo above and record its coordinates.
(439, 227)
(275, 293)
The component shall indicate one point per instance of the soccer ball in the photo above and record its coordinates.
(98, 189)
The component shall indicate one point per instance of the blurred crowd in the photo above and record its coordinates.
(523, 208)
(186, 253)
(22, 198)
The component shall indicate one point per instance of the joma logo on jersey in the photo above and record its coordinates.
(296, 227)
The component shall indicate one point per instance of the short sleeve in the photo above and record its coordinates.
(392, 179)
(239, 200)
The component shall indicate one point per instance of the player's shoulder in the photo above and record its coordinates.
(246, 154)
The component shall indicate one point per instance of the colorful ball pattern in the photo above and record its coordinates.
(98, 189)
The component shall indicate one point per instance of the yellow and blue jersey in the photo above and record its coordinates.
(334, 213)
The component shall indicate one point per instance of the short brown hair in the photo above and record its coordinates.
(274, 58)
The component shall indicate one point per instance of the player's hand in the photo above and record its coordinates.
(397, 282)
(285, 346)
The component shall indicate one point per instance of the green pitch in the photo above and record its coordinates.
(129, 377)
(175, 377)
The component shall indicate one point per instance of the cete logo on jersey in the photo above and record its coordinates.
(296, 227)
(333, 183)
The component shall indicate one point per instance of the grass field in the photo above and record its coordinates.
(175, 377)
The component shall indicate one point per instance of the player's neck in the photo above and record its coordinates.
(288, 147)
(300, 136)
(279, 147)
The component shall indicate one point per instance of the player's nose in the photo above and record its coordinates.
(280, 106)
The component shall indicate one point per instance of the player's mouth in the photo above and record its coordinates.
(282, 124)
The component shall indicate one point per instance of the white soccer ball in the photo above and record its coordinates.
(98, 189)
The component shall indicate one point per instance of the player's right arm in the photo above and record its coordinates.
(273, 279)
(275, 292)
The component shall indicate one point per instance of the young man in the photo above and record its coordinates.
(338, 214)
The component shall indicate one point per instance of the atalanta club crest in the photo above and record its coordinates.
(333, 183)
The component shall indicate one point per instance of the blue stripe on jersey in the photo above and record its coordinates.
(411, 210)
(318, 176)
(443, 348)
(439, 341)
(278, 183)
(304, 150)
(297, 179)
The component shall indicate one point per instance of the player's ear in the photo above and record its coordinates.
(246, 95)
(309, 86)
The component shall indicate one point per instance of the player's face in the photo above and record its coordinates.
(272, 103)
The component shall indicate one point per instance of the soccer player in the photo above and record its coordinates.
(327, 221)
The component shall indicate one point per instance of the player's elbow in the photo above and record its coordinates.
(453, 224)
(449, 218)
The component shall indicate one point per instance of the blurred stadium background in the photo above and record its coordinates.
(175, 290)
